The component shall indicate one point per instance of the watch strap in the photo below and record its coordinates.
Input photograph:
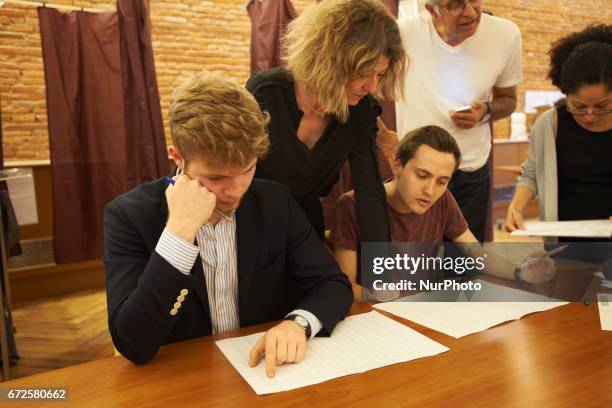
(517, 276)
(307, 328)
(487, 114)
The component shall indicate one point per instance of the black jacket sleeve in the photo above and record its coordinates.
(370, 194)
(141, 288)
(325, 290)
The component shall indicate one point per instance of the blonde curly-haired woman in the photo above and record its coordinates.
(338, 55)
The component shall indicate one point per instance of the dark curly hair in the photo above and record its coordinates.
(582, 58)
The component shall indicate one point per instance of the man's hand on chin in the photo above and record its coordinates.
(190, 205)
(284, 343)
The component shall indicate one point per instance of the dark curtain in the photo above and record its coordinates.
(145, 141)
(388, 107)
(105, 129)
(269, 18)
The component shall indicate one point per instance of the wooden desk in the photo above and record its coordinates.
(555, 358)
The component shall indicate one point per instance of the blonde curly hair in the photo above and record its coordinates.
(214, 119)
(333, 42)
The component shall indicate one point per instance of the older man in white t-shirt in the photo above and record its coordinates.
(458, 58)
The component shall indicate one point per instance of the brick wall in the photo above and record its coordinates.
(192, 35)
(542, 22)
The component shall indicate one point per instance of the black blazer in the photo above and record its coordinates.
(282, 266)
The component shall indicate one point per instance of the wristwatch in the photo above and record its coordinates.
(487, 114)
(517, 276)
(302, 322)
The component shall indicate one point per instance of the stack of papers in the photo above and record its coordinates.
(358, 344)
(604, 282)
(468, 314)
(578, 229)
(604, 303)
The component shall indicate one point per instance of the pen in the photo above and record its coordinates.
(539, 258)
(219, 213)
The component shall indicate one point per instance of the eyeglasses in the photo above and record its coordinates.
(457, 7)
(582, 112)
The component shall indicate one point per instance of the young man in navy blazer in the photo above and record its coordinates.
(212, 249)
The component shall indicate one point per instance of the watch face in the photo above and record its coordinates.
(301, 321)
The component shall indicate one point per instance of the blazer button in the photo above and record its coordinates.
(184, 292)
(180, 298)
(173, 312)
(177, 305)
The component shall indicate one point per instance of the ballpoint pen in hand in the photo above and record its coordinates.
(540, 257)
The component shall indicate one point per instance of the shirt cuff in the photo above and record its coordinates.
(313, 321)
(178, 252)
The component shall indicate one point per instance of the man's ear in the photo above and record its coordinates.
(395, 167)
(175, 155)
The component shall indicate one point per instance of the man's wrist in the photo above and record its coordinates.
(176, 251)
(302, 322)
(487, 112)
(315, 323)
(184, 231)
(516, 208)
(518, 271)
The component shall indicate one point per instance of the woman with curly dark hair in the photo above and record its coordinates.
(569, 164)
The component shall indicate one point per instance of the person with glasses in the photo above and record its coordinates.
(461, 58)
(569, 164)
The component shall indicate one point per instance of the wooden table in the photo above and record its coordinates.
(556, 358)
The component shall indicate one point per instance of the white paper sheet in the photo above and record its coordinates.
(604, 302)
(579, 229)
(23, 196)
(468, 314)
(604, 282)
(358, 344)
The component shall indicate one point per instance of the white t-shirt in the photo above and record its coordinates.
(442, 78)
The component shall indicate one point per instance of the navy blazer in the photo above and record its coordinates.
(282, 266)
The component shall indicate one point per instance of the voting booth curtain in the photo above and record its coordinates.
(104, 117)
(269, 19)
(388, 107)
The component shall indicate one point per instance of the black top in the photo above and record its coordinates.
(584, 170)
(310, 173)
